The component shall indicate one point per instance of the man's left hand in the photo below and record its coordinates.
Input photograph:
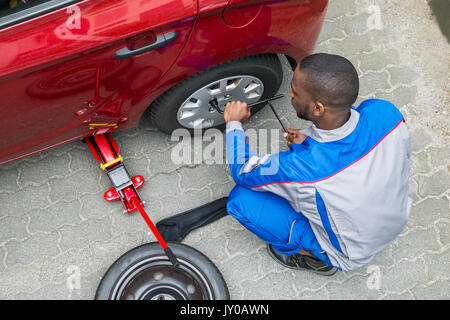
(236, 111)
(294, 136)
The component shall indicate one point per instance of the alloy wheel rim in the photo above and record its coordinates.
(196, 112)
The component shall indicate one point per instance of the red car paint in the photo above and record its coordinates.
(60, 83)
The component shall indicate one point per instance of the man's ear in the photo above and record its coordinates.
(319, 109)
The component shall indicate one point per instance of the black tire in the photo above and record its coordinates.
(267, 68)
(145, 273)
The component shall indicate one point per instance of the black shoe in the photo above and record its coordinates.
(301, 262)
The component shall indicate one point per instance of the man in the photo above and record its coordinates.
(339, 195)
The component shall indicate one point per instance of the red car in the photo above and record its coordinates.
(69, 69)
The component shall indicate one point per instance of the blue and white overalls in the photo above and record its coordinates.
(342, 194)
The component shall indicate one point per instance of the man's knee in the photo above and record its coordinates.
(245, 204)
(236, 200)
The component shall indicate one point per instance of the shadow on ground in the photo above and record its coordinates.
(441, 11)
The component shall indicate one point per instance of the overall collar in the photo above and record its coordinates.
(321, 135)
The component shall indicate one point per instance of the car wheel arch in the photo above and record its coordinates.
(181, 78)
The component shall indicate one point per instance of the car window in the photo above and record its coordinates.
(12, 6)
(16, 11)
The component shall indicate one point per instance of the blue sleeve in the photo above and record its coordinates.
(249, 169)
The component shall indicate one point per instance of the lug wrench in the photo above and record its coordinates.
(215, 105)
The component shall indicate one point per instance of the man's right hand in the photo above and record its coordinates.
(236, 111)
(294, 136)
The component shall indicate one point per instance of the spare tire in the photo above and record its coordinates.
(145, 273)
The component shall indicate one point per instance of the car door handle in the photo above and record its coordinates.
(161, 41)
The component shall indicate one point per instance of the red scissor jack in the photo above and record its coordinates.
(105, 150)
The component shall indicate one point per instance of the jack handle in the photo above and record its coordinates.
(172, 258)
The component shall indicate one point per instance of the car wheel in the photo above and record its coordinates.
(187, 104)
(145, 273)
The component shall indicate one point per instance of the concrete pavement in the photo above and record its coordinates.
(55, 225)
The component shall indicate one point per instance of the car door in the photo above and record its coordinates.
(71, 68)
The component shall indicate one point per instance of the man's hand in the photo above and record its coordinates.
(236, 111)
(294, 136)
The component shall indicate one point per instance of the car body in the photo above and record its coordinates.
(62, 76)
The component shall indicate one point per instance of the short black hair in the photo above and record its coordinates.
(331, 79)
